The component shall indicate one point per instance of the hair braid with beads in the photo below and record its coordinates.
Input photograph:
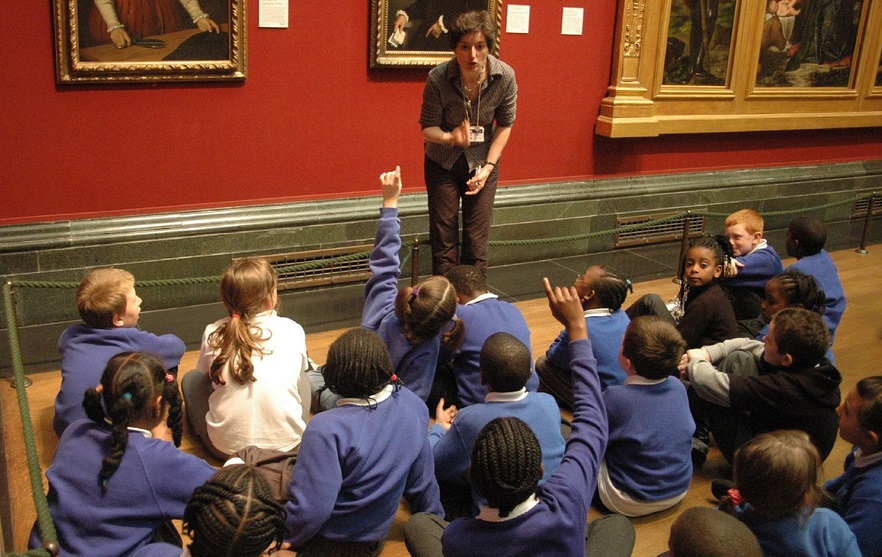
(506, 463)
(129, 387)
(234, 514)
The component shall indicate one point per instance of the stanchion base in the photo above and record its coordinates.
(861, 251)
(27, 382)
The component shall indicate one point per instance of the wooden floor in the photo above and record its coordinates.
(858, 350)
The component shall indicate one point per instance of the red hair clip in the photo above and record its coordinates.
(735, 497)
(394, 378)
(237, 316)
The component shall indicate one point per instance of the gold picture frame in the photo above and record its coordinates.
(762, 79)
(164, 48)
(422, 42)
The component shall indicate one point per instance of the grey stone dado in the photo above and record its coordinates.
(202, 243)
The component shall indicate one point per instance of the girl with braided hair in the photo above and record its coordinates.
(522, 517)
(602, 291)
(358, 458)
(235, 514)
(702, 311)
(117, 478)
(246, 388)
(412, 321)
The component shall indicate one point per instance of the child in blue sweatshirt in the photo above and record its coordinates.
(647, 466)
(858, 491)
(755, 262)
(522, 517)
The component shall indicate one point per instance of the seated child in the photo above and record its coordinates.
(796, 387)
(754, 264)
(357, 459)
(806, 237)
(858, 491)
(482, 315)
(505, 369)
(233, 513)
(702, 313)
(602, 291)
(413, 321)
(776, 494)
(647, 466)
(790, 289)
(704, 532)
(110, 308)
(522, 517)
(246, 388)
(116, 479)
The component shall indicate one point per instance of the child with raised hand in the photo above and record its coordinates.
(412, 321)
(755, 261)
(116, 480)
(602, 290)
(522, 517)
(795, 387)
(234, 513)
(776, 495)
(110, 308)
(858, 491)
(702, 312)
(246, 388)
(358, 458)
(647, 467)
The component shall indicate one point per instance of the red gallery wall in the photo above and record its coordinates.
(311, 121)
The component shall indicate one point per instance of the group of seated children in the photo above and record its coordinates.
(498, 472)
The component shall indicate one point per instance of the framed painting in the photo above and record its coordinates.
(710, 66)
(124, 41)
(408, 33)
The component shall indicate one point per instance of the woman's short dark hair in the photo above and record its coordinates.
(473, 22)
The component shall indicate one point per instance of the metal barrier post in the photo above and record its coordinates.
(863, 249)
(12, 330)
(684, 243)
(415, 262)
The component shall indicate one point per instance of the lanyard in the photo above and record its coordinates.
(468, 102)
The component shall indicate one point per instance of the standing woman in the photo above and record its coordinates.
(469, 105)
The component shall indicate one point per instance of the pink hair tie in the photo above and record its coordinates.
(237, 316)
(735, 497)
(394, 378)
(169, 377)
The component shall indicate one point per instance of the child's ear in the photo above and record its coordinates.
(873, 439)
(718, 271)
(757, 236)
(786, 360)
(118, 320)
(156, 407)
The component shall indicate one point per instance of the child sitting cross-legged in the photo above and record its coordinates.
(522, 517)
(858, 491)
(117, 480)
(505, 370)
(776, 495)
(357, 459)
(110, 308)
(795, 388)
(647, 466)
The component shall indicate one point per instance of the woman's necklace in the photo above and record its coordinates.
(473, 90)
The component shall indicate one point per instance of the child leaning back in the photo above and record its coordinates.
(110, 308)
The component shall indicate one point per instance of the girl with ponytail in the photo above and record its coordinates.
(246, 388)
(412, 321)
(117, 478)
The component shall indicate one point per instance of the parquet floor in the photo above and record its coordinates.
(858, 351)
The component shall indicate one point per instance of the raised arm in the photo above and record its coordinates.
(382, 288)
